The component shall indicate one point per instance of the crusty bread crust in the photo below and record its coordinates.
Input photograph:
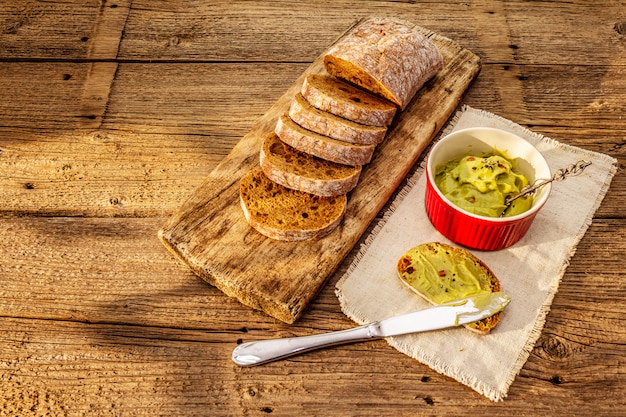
(285, 214)
(327, 124)
(345, 100)
(387, 57)
(406, 268)
(304, 172)
(322, 146)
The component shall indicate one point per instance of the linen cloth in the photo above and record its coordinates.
(529, 271)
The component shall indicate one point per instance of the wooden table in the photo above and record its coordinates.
(113, 112)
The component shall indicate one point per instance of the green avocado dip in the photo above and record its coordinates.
(481, 184)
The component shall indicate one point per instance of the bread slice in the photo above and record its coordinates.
(322, 146)
(385, 56)
(285, 214)
(345, 100)
(301, 171)
(441, 273)
(327, 124)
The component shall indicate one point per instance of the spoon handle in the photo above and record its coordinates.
(559, 175)
(259, 352)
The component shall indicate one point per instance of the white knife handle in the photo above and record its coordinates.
(256, 353)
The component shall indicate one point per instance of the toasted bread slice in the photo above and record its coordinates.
(301, 171)
(441, 273)
(327, 124)
(322, 146)
(345, 100)
(285, 214)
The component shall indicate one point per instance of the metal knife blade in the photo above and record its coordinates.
(454, 313)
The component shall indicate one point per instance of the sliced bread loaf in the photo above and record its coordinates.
(291, 168)
(345, 100)
(441, 273)
(285, 214)
(322, 146)
(387, 57)
(327, 124)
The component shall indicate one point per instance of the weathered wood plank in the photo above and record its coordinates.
(498, 33)
(95, 94)
(227, 98)
(103, 173)
(578, 32)
(97, 369)
(97, 317)
(65, 369)
(213, 99)
(71, 29)
(108, 28)
(175, 99)
(574, 96)
(102, 270)
(30, 30)
(42, 95)
(545, 33)
(117, 173)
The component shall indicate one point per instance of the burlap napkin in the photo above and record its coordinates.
(529, 271)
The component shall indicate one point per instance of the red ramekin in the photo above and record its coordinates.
(471, 230)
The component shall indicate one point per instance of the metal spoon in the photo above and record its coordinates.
(559, 175)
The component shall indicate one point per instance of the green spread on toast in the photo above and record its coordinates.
(440, 276)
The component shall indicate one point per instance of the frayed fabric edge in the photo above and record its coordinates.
(441, 367)
(490, 392)
(545, 308)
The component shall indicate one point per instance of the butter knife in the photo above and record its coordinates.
(451, 314)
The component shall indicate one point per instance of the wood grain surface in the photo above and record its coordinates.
(113, 113)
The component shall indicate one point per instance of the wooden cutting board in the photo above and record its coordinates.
(210, 234)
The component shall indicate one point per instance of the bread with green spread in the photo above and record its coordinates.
(441, 273)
